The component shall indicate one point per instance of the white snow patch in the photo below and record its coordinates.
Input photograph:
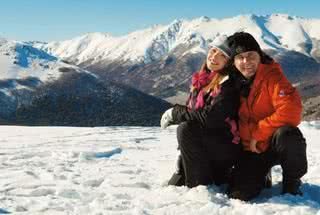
(124, 170)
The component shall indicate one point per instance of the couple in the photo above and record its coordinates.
(240, 120)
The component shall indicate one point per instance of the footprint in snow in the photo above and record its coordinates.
(93, 183)
(135, 185)
(42, 192)
(97, 155)
(69, 194)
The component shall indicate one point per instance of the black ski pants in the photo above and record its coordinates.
(206, 158)
(287, 148)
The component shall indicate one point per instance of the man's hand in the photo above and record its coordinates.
(253, 146)
(166, 119)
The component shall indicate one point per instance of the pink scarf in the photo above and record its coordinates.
(199, 81)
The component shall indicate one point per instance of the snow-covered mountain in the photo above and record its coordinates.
(277, 31)
(23, 69)
(20, 60)
(38, 88)
(160, 60)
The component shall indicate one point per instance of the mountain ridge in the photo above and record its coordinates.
(161, 59)
(37, 88)
(153, 43)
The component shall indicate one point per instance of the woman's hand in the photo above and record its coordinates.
(166, 118)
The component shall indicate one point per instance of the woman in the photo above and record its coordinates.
(207, 133)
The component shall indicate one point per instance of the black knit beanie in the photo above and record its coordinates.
(241, 42)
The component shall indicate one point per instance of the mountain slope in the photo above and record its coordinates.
(160, 60)
(39, 89)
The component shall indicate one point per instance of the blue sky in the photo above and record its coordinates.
(47, 20)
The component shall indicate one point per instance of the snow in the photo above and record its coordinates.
(276, 31)
(293, 36)
(124, 170)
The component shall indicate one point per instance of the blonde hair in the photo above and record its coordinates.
(215, 82)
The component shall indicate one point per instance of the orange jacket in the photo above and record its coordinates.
(273, 102)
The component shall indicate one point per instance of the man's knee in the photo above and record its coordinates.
(287, 136)
(287, 131)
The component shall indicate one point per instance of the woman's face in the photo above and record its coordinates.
(216, 60)
(247, 63)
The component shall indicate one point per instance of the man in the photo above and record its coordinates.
(269, 114)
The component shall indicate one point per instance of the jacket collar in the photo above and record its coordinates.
(263, 71)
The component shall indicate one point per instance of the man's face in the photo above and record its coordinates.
(247, 63)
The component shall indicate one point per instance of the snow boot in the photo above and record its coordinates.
(244, 193)
(178, 177)
(292, 187)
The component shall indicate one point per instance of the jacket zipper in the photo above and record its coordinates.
(250, 107)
